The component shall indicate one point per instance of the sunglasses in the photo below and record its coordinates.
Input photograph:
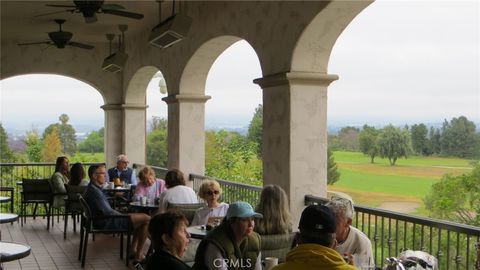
(210, 193)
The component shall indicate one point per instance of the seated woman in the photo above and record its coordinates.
(275, 227)
(59, 179)
(233, 244)
(149, 186)
(210, 192)
(77, 175)
(274, 207)
(169, 236)
(176, 191)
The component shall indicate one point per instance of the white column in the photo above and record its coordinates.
(135, 132)
(295, 134)
(113, 132)
(186, 133)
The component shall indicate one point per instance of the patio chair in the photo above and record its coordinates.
(276, 245)
(72, 206)
(88, 228)
(188, 209)
(35, 191)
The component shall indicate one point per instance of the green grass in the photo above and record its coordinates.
(357, 157)
(391, 184)
(409, 180)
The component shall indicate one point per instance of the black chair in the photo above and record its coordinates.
(35, 191)
(88, 228)
(72, 206)
(188, 209)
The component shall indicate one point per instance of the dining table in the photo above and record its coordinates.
(147, 208)
(197, 232)
(10, 251)
(8, 217)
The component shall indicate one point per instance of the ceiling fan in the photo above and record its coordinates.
(61, 39)
(90, 8)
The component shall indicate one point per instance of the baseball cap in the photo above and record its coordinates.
(317, 218)
(242, 210)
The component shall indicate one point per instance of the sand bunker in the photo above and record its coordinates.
(402, 207)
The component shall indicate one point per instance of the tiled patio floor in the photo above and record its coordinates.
(51, 251)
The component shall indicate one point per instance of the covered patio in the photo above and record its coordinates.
(293, 41)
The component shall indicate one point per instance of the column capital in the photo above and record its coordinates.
(296, 77)
(192, 98)
(127, 106)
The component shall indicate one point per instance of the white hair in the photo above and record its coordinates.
(121, 157)
(341, 206)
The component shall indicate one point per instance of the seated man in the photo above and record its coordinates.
(233, 244)
(351, 241)
(99, 206)
(316, 241)
(125, 174)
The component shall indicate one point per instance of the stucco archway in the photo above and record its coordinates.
(186, 110)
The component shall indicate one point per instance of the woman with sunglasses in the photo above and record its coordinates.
(214, 211)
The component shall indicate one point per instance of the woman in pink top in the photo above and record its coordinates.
(149, 186)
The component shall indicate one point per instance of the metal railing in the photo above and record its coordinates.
(390, 233)
(232, 191)
(11, 175)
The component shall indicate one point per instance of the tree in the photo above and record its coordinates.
(6, 154)
(368, 142)
(393, 143)
(332, 171)
(458, 138)
(348, 138)
(435, 140)
(255, 129)
(52, 146)
(157, 142)
(420, 142)
(94, 143)
(229, 155)
(157, 148)
(157, 123)
(444, 201)
(66, 133)
(34, 146)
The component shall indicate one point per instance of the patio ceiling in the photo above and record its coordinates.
(19, 24)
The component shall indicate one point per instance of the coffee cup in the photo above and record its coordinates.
(270, 262)
(110, 185)
(143, 200)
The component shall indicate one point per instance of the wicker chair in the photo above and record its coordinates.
(188, 209)
(72, 206)
(277, 245)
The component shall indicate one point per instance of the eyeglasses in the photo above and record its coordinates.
(210, 193)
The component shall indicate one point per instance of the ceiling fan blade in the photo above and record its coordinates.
(112, 6)
(55, 12)
(91, 19)
(81, 45)
(34, 43)
(63, 6)
(122, 13)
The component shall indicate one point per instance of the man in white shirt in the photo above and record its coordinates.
(350, 240)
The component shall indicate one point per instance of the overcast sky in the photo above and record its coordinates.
(398, 61)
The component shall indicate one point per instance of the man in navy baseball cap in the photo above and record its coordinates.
(316, 243)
